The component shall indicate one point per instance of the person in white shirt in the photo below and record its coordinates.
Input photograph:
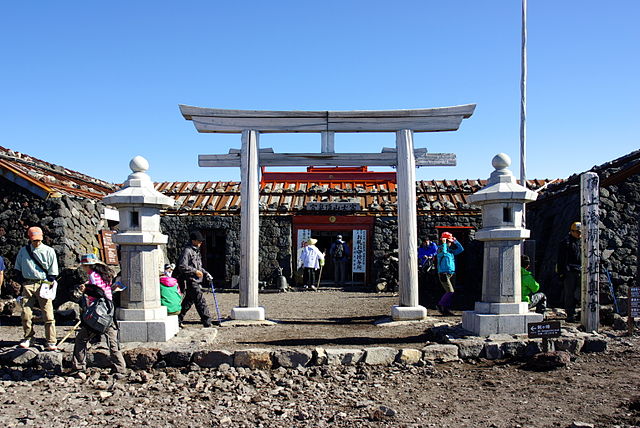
(311, 259)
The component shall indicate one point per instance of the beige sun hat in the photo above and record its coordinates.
(312, 241)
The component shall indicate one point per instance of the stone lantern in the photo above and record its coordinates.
(141, 318)
(502, 201)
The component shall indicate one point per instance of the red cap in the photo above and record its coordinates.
(446, 235)
(34, 233)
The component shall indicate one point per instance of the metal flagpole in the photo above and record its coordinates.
(523, 99)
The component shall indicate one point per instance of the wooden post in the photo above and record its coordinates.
(407, 220)
(590, 216)
(328, 145)
(249, 220)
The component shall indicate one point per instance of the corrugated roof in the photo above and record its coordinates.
(47, 179)
(284, 197)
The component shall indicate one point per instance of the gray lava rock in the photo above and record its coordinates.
(468, 348)
(344, 357)
(19, 357)
(380, 356)
(293, 358)
(49, 360)
(441, 353)
(212, 358)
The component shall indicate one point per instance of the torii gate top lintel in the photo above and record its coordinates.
(416, 120)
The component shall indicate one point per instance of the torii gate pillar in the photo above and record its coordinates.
(249, 230)
(408, 308)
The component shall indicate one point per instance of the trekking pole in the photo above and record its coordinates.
(215, 299)
(319, 277)
(612, 291)
(75, 327)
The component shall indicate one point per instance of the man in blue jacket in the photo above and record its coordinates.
(447, 251)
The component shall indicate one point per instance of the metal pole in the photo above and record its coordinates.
(523, 104)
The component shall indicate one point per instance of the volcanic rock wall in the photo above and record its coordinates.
(275, 241)
(70, 226)
(550, 217)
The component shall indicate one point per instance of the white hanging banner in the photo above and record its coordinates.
(359, 253)
(303, 236)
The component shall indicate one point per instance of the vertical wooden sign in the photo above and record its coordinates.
(590, 217)
(109, 249)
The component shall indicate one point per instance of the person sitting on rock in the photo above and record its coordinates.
(98, 286)
(530, 287)
(170, 296)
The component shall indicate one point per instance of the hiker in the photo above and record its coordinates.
(2, 269)
(426, 251)
(530, 287)
(192, 273)
(37, 266)
(446, 261)
(569, 268)
(98, 286)
(311, 259)
(170, 296)
(301, 278)
(339, 253)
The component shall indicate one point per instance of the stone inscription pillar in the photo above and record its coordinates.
(408, 308)
(249, 231)
(590, 217)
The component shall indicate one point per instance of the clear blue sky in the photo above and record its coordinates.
(89, 85)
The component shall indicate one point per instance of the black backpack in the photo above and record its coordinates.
(338, 251)
(98, 316)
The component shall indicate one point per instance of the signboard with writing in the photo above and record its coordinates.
(333, 206)
(634, 302)
(543, 330)
(303, 236)
(109, 249)
(359, 259)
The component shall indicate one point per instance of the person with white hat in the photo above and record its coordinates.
(98, 286)
(37, 268)
(311, 259)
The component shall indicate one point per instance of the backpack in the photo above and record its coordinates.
(338, 251)
(98, 316)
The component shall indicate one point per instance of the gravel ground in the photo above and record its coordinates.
(601, 389)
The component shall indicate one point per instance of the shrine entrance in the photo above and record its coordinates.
(250, 123)
(356, 232)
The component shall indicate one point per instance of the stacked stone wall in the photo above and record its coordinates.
(275, 241)
(550, 217)
(70, 227)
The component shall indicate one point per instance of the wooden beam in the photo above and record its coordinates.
(416, 120)
(329, 159)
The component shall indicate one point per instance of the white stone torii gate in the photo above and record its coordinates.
(250, 123)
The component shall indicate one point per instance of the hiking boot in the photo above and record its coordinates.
(207, 324)
(51, 347)
(314, 288)
(25, 343)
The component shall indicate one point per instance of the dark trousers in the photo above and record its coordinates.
(340, 271)
(538, 301)
(193, 295)
(85, 335)
(572, 291)
(310, 275)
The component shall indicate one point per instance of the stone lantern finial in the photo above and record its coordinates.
(501, 161)
(139, 164)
